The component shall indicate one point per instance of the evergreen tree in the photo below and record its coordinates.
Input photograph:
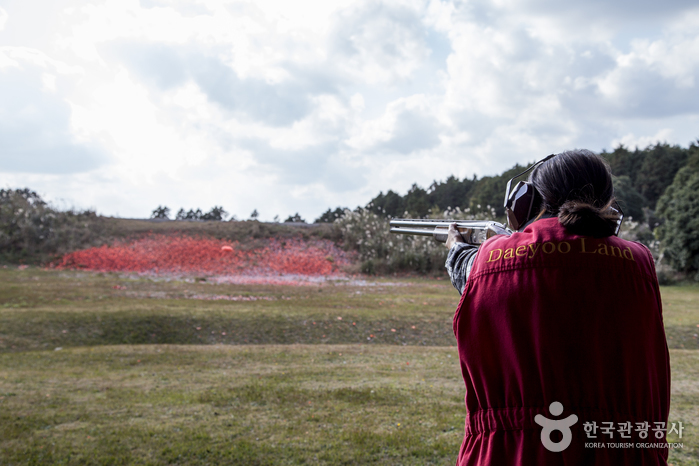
(630, 200)
(625, 163)
(161, 212)
(660, 165)
(329, 216)
(296, 218)
(217, 214)
(190, 215)
(679, 206)
(416, 202)
(450, 193)
(390, 204)
(490, 191)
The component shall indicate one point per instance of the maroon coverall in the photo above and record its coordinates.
(549, 316)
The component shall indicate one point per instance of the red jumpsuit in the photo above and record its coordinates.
(549, 316)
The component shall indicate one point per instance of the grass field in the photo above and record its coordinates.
(168, 372)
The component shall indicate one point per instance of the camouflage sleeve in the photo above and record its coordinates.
(458, 264)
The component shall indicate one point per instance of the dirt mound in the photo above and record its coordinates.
(186, 255)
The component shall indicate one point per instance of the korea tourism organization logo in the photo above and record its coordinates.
(606, 429)
(551, 425)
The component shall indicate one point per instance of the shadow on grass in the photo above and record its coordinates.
(39, 330)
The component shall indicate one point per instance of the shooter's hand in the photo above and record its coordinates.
(453, 236)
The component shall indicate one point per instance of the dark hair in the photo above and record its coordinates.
(577, 187)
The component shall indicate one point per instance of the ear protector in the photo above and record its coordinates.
(519, 201)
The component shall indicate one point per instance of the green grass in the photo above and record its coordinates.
(685, 405)
(45, 309)
(294, 404)
(137, 382)
(681, 316)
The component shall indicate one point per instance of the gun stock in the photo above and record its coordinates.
(473, 231)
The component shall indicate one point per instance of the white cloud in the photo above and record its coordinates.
(36, 120)
(379, 42)
(408, 125)
(19, 56)
(3, 18)
(641, 142)
(301, 106)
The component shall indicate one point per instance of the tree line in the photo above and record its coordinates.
(657, 187)
(641, 176)
(216, 214)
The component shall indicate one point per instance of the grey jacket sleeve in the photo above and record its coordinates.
(459, 263)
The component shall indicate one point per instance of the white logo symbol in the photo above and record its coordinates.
(562, 425)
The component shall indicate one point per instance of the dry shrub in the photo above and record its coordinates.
(33, 231)
(381, 252)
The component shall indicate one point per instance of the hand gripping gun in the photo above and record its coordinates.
(473, 231)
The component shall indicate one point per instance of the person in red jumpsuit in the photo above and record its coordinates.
(559, 329)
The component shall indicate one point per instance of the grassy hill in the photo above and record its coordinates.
(246, 232)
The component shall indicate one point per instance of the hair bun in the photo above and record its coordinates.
(586, 219)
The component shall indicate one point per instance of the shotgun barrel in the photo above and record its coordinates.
(473, 231)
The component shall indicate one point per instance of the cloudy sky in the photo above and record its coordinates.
(297, 106)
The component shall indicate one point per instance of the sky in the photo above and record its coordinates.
(283, 107)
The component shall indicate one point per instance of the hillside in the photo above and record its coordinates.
(33, 232)
(246, 231)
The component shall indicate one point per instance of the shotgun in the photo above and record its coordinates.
(473, 231)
